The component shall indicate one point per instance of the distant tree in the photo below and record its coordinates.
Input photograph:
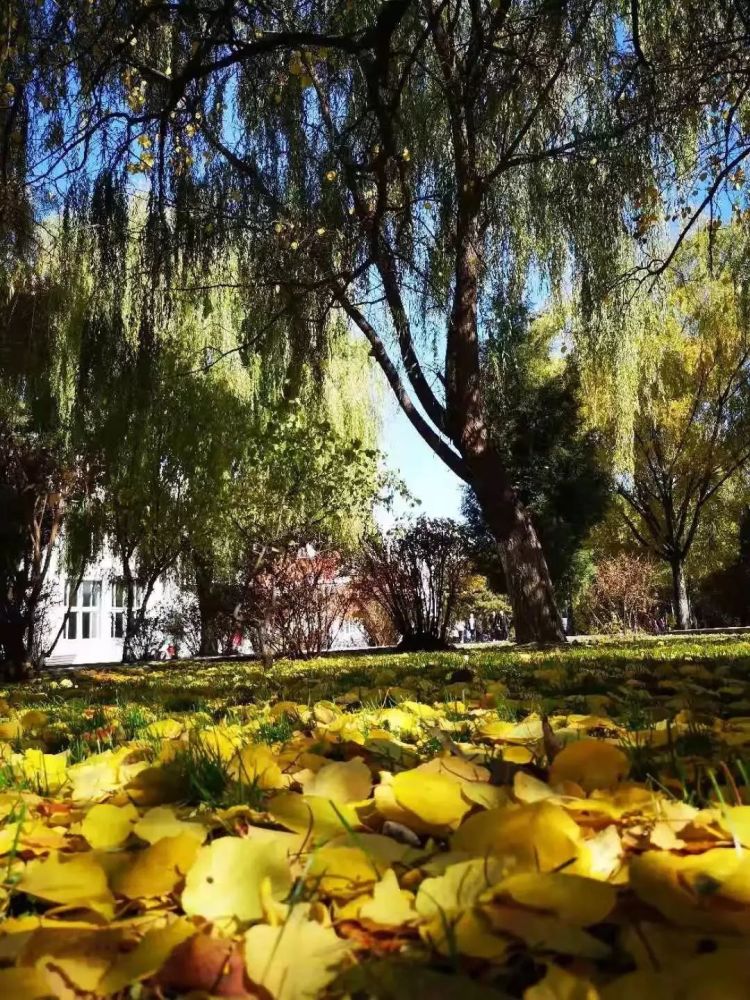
(723, 596)
(416, 574)
(39, 484)
(555, 460)
(692, 429)
(492, 610)
(301, 600)
(623, 595)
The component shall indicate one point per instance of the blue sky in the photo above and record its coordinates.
(426, 477)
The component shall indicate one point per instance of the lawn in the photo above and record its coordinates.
(541, 824)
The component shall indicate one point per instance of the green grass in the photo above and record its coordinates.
(635, 685)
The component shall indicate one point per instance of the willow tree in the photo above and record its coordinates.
(404, 162)
(282, 449)
(691, 432)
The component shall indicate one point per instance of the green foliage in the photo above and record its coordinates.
(536, 422)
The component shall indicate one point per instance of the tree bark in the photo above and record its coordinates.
(204, 592)
(535, 614)
(532, 596)
(680, 595)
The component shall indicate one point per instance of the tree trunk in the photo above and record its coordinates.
(680, 595)
(130, 624)
(535, 614)
(204, 592)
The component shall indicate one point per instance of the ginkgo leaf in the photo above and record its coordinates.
(26, 984)
(82, 955)
(343, 872)
(256, 766)
(316, 818)
(295, 961)
(162, 821)
(558, 984)
(536, 837)
(34, 720)
(147, 957)
(459, 887)
(45, 772)
(709, 890)
(158, 869)
(540, 931)
(390, 906)
(467, 933)
(736, 821)
(435, 799)
(228, 875)
(107, 827)
(76, 880)
(341, 781)
(591, 764)
(165, 729)
(204, 964)
(571, 898)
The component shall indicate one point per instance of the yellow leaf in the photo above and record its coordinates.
(457, 769)
(458, 888)
(535, 837)
(315, 818)
(220, 742)
(736, 821)
(469, 933)
(295, 961)
(257, 766)
(161, 821)
(97, 776)
(526, 731)
(73, 881)
(561, 985)
(342, 781)
(228, 874)
(165, 729)
(572, 898)
(709, 891)
(34, 719)
(591, 764)
(47, 772)
(12, 730)
(26, 984)
(434, 798)
(107, 827)
(390, 905)
(538, 930)
(157, 870)
(147, 957)
(81, 955)
(343, 872)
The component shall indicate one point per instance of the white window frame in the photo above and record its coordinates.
(119, 607)
(84, 610)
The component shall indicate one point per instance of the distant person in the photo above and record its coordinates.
(472, 627)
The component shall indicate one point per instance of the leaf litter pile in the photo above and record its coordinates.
(416, 827)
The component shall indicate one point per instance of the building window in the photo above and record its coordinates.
(119, 614)
(84, 604)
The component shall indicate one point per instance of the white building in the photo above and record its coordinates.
(95, 627)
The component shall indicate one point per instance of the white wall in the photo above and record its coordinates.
(102, 647)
